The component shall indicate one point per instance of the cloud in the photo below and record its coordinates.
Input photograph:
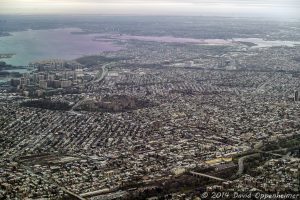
(282, 8)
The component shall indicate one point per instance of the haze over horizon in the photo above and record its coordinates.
(236, 8)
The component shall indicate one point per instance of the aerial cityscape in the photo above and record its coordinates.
(105, 107)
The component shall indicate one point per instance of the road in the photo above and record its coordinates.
(101, 74)
(98, 77)
(242, 159)
(270, 153)
(54, 183)
(241, 164)
(208, 176)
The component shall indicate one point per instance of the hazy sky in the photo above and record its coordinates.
(268, 8)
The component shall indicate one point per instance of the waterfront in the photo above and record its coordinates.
(34, 45)
(183, 109)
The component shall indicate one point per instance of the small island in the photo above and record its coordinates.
(6, 55)
(4, 67)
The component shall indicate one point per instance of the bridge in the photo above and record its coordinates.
(270, 153)
(72, 194)
(207, 176)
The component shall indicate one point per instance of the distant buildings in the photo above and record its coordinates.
(204, 113)
(51, 74)
(296, 96)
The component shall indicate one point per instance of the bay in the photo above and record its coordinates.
(35, 45)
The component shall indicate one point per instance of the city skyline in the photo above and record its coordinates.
(149, 99)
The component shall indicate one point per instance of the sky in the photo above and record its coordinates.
(235, 8)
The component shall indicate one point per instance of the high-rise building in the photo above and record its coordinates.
(15, 82)
(56, 84)
(51, 77)
(35, 77)
(296, 96)
(43, 84)
(65, 83)
(41, 77)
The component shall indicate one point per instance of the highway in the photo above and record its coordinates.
(101, 74)
(99, 77)
(208, 176)
(270, 153)
(241, 160)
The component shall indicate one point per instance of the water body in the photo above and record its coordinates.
(171, 39)
(34, 45)
(4, 79)
(259, 42)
